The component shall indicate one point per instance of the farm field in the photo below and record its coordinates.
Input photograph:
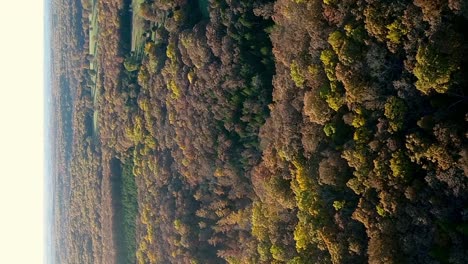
(93, 62)
(138, 29)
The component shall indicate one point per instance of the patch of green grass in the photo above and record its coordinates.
(125, 210)
(130, 210)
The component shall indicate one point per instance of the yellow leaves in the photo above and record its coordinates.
(296, 74)
(395, 110)
(177, 224)
(218, 172)
(143, 76)
(150, 48)
(172, 86)
(396, 31)
(137, 170)
(145, 215)
(338, 205)
(150, 142)
(439, 155)
(302, 179)
(336, 40)
(237, 218)
(152, 257)
(356, 159)
(433, 70)
(140, 257)
(278, 253)
(335, 102)
(261, 216)
(362, 135)
(328, 59)
(400, 164)
(190, 76)
(331, 93)
(144, 252)
(170, 52)
(380, 210)
(143, 104)
(145, 255)
(135, 133)
(149, 233)
(303, 235)
(187, 40)
(314, 70)
(420, 151)
(358, 121)
(329, 2)
(171, 116)
(179, 15)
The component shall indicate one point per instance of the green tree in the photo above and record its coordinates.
(433, 69)
(395, 110)
(296, 74)
(131, 63)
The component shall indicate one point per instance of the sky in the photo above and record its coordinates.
(21, 132)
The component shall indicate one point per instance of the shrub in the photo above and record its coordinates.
(131, 64)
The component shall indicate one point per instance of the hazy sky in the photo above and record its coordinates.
(21, 132)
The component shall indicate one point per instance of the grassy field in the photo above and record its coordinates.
(93, 32)
(95, 123)
(124, 195)
(93, 64)
(138, 40)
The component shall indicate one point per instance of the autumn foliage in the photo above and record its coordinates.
(288, 131)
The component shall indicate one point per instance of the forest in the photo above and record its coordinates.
(260, 131)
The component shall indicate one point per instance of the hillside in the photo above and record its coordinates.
(288, 131)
